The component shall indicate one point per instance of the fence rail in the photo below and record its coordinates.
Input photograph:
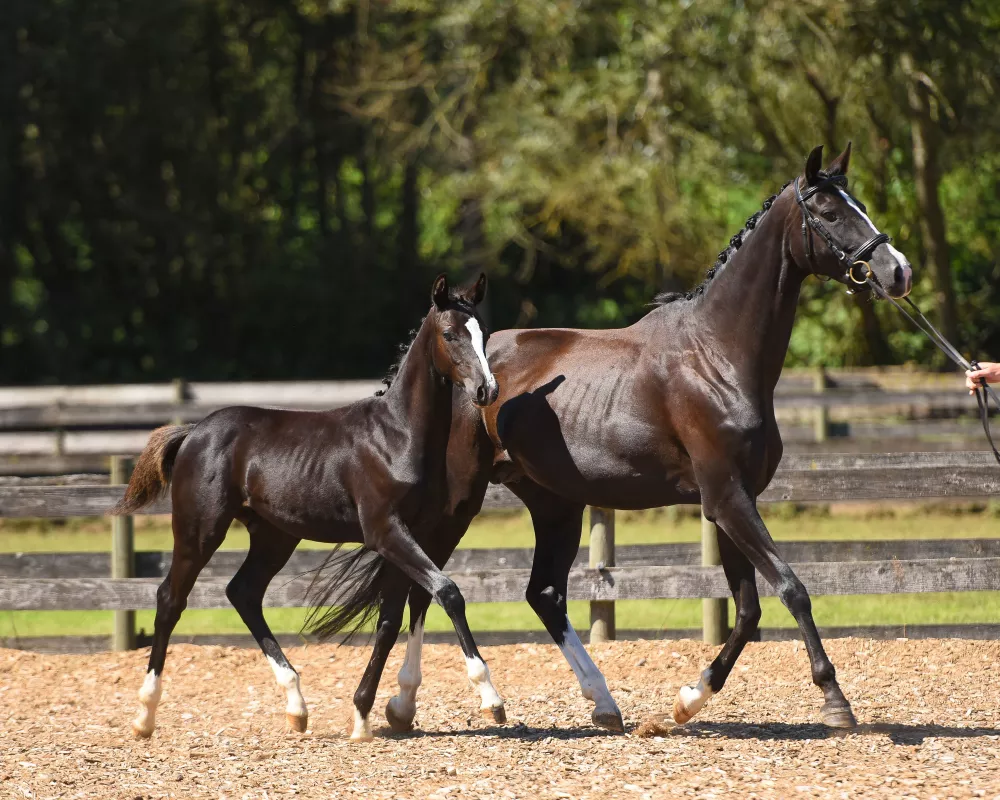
(78, 581)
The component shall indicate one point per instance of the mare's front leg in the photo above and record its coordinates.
(728, 503)
(392, 540)
(402, 708)
(557, 525)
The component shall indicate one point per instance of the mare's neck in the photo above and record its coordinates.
(749, 306)
(419, 399)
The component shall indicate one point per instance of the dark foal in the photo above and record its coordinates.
(679, 408)
(375, 473)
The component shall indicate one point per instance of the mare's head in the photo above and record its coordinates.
(459, 336)
(837, 237)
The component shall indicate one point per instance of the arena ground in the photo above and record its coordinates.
(929, 714)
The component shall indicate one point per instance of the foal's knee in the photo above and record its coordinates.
(748, 617)
(543, 598)
(450, 598)
(794, 596)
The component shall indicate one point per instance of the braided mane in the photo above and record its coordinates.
(734, 244)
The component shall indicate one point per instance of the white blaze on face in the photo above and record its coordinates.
(288, 679)
(900, 258)
(479, 677)
(404, 705)
(476, 334)
(592, 683)
(149, 697)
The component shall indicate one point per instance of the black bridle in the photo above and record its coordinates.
(859, 257)
(810, 223)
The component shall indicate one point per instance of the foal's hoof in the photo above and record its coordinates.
(139, 732)
(297, 723)
(497, 714)
(839, 717)
(397, 722)
(609, 720)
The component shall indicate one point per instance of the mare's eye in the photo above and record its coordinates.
(449, 335)
(830, 216)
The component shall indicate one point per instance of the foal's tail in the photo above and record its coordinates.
(151, 475)
(346, 592)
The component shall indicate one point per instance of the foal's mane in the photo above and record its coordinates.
(734, 244)
(455, 297)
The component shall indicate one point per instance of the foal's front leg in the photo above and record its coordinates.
(402, 708)
(390, 538)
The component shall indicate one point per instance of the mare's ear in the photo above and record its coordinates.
(477, 293)
(439, 292)
(813, 165)
(840, 164)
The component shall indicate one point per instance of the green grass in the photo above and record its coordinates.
(514, 530)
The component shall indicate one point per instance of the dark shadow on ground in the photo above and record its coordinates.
(898, 733)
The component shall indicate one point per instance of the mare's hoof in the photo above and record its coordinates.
(609, 720)
(296, 723)
(397, 723)
(497, 715)
(141, 733)
(839, 717)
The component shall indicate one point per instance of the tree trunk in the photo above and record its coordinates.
(407, 242)
(926, 136)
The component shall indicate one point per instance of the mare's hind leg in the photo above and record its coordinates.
(390, 617)
(402, 708)
(194, 543)
(742, 583)
(270, 549)
(735, 510)
(557, 524)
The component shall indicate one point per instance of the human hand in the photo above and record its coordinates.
(987, 369)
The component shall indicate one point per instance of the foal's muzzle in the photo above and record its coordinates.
(486, 393)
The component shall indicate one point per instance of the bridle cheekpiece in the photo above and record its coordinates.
(810, 223)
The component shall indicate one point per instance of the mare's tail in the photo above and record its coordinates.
(346, 592)
(151, 475)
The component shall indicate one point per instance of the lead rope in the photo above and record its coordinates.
(983, 392)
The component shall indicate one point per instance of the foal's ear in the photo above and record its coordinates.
(813, 165)
(439, 292)
(840, 164)
(478, 292)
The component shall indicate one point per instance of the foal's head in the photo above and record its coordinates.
(840, 241)
(458, 351)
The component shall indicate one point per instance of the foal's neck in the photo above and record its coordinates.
(750, 305)
(419, 399)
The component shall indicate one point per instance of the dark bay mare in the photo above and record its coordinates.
(380, 473)
(679, 408)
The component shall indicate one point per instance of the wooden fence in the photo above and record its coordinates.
(60, 429)
(602, 575)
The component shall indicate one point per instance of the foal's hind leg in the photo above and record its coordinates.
(270, 549)
(733, 508)
(390, 617)
(740, 576)
(402, 708)
(194, 543)
(557, 525)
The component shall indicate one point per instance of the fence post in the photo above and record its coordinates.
(821, 420)
(602, 554)
(122, 558)
(180, 398)
(714, 611)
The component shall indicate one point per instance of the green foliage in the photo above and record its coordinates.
(231, 189)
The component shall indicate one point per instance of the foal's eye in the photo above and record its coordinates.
(830, 216)
(449, 335)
